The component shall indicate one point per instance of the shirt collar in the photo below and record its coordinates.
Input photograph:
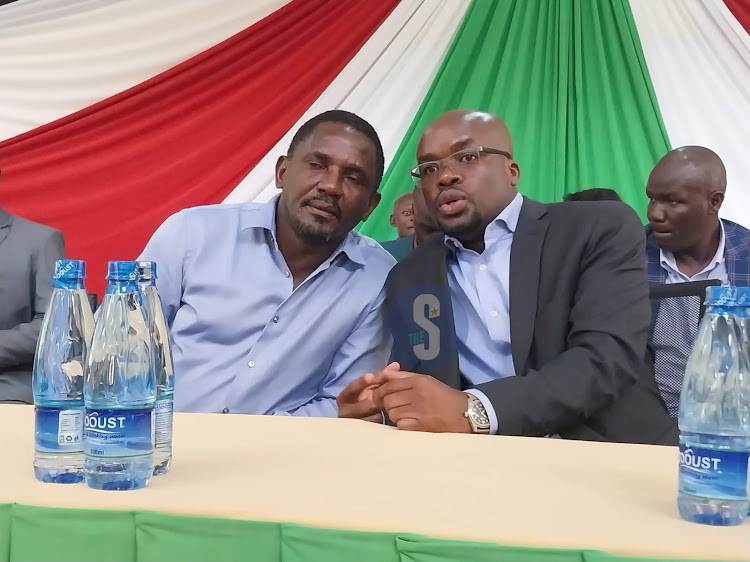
(506, 221)
(264, 216)
(666, 258)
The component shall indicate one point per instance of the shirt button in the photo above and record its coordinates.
(275, 319)
(482, 267)
(225, 411)
(286, 274)
(493, 313)
(251, 364)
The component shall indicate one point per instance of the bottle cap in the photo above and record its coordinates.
(122, 271)
(147, 270)
(70, 269)
(728, 296)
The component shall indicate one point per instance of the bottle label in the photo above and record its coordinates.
(163, 420)
(711, 473)
(118, 433)
(59, 431)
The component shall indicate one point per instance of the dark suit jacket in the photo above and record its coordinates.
(579, 319)
(28, 252)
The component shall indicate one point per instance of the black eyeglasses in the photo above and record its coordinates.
(457, 161)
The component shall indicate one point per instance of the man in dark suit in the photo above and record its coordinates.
(685, 238)
(28, 252)
(525, 318)
(687, 241)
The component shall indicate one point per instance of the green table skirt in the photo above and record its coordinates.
(29, 533)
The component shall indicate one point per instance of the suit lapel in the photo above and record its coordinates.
(525, 260)
(736, 254)
(4, 224)
(654, 270)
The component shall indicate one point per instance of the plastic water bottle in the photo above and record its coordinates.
(57, 381)
(714, 414)
(119, 388)
(161, 364)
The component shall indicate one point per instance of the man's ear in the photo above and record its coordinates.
(393, 220)
(514, 172)
(281, 167)
(374, 200)
(715, 201)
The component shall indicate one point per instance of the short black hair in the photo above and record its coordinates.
(353, 121)
(594, 194)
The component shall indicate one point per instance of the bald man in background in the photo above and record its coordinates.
(424, 227)
(687, 241)
(524, 318)
(402, 218)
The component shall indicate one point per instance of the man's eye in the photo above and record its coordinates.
(429, 169)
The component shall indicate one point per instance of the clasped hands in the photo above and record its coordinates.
(412, 401)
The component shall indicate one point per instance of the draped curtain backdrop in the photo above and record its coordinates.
(384, 83)
(114, 115)
(698, 54)
(109, 174)
(569, 79)
(59, 57)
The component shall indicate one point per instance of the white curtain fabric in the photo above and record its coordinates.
(18, 14)
(698, 56)
(57, 57)
(384, 83)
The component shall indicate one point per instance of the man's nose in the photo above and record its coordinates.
(448, 176)
(331, 182)
(655, 213)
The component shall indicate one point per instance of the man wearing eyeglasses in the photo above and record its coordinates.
(525, 318)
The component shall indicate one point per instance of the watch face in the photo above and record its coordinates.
(479, 416)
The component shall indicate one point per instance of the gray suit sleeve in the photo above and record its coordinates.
(18, 344)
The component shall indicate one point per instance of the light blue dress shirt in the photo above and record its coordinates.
(243, 339)
(480, 292)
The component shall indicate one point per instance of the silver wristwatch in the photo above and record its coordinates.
(480, 422)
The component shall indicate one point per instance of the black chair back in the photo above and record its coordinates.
(690, 289)
(677, 309)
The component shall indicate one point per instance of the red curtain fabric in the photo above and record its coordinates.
(741, 10)
(108, 175)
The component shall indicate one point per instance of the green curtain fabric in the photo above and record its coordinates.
(570, 80)
(31, 534)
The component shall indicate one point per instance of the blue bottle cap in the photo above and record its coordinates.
(147, 270)
(122, 271)
(70, 269)
(728, 296)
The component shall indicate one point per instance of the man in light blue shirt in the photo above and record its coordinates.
(480, 288)
(274, 308)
